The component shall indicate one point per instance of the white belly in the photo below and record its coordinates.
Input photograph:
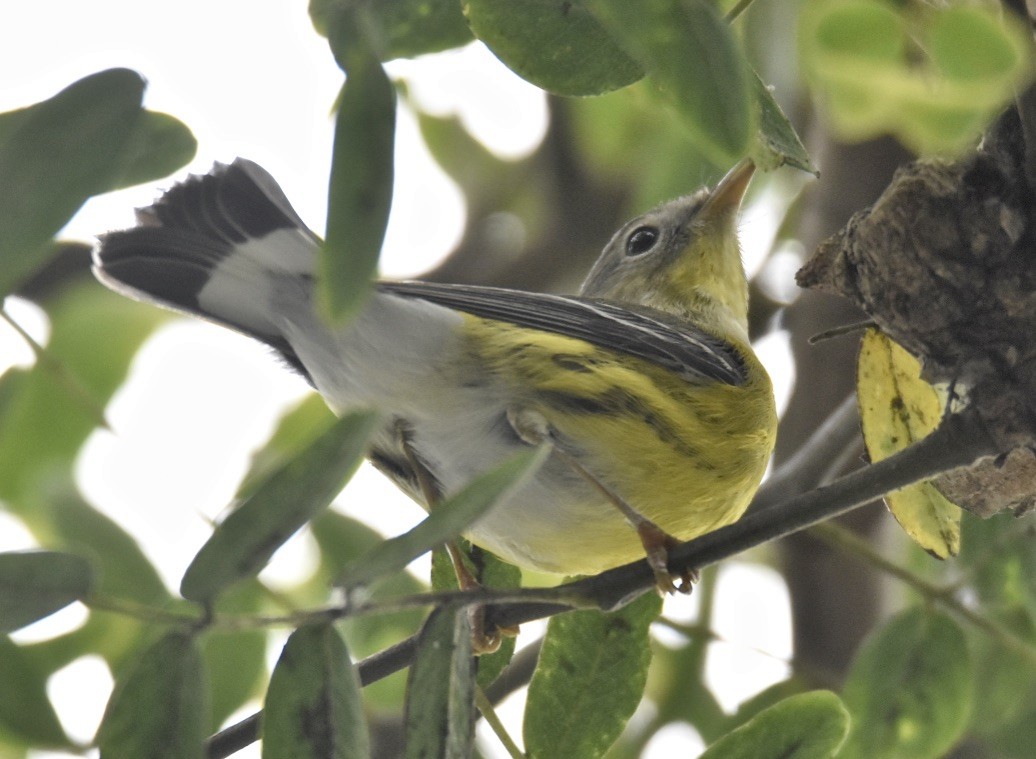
(398, 357)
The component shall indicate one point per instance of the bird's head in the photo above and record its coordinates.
(682, 257)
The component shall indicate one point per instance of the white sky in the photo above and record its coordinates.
(253, 79)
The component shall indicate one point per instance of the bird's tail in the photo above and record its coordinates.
(223, 246)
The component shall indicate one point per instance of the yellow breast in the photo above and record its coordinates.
(687, 456)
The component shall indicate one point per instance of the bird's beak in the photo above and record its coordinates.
(726, 196)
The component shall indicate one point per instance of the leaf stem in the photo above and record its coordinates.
(143, 612)
(491, 717)
(737, 10)
(944, 596)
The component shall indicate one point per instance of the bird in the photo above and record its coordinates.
(659, 416)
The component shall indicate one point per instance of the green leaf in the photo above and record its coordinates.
(1005, 679)
(296, 429)
(63, 151)
(909, 691)
(160, 708)
(26, 713)
(495, 573)
(440, 704)
(778, 142)
(446, 520)
(95, 334)
(35, 584)
(235, 660)
(292, 495)
(693, 59)
(360, 189)
(933, 78)
(589, 680)
(160, 145)
(1016, 739)
(971, 44)
(625, 133)
(555, 44)
(123, 570)
(314, 708)
(401, 28)
(491, 572)
(341, 539)
(999, 557)
(806, 726)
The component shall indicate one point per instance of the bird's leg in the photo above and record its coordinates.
(485, 641)
(533, 428)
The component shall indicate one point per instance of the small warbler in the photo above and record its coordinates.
(660, 416)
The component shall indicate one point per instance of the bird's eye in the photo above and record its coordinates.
(641, 241)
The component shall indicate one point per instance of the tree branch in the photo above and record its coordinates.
(959, 441)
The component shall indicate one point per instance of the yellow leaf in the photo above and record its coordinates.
(898, 408)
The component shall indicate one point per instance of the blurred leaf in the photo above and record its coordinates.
(555, 44)
(95, 334)
(936, 94)
(123, 570)
(768, 697)
(35, 584)
(779, 143)
(440, 703)
(296, 429)
(447, 519)
(341, 539)
(459, 154)
(624, 134)
(159, 145)
(26, 714)
(360, 189)
(1016, 739)
(692, 57)
(1005, 679)
(910, 689)
(289, 497)
(160, 708)
(998, 552)
(10, 121)
(314, 708)
(898, 408)
(63, 151)
(401, 28)
(235, 660)
(807, 726)
(589, 680)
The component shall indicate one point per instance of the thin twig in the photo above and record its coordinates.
(142, 612)
(64, 376)
(959, 441)
(840, 330)
(841, 538)
(737, 10)
(493, 720)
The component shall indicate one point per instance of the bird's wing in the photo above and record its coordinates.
(652, 335)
